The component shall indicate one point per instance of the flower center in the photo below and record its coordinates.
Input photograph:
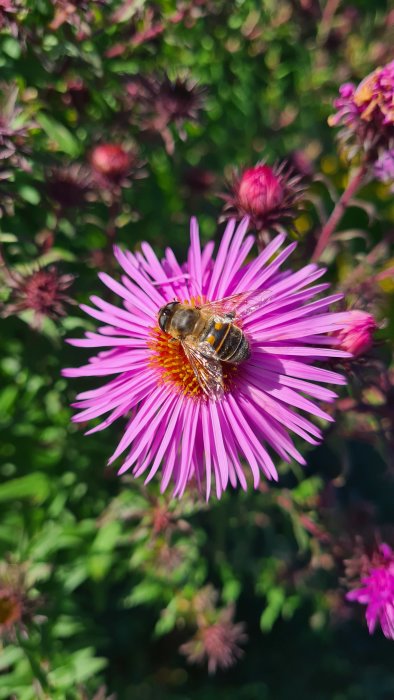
(10, 609)
(169, 357)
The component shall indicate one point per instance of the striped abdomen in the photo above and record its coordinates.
(228, 341)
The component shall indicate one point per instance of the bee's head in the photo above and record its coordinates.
(165, 315)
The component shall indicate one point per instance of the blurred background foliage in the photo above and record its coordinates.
(108, 578)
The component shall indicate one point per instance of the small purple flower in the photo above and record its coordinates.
(377, 591)
(384, 167)
(172, 425)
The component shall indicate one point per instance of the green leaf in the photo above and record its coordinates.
(11, 47)
(30, 194)
(59, 135)
(35, 486)
(80, 666)
(276, 598)
(9, 656)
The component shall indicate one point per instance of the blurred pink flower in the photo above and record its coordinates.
(42, 291)
(366, 112)
(384, 167)
(357, 334)
(377, 591)
(111, 161)
(217, 643)
(171, 423)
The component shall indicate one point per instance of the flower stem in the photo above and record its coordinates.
(338, 211)
(327, 17)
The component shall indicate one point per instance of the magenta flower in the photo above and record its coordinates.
(366, 112)
(172, 425)
(356, 336)
(377, 592)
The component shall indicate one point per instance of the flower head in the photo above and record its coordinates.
(69, 186)
(172, 424)
(377, 591)
(217, 643)
(366, 112)
(43, 292)
(357, 334)
(18, 600)
(161, 102)
(269, 196)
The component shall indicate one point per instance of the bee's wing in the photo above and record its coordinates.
(206, 367)
(238, 305)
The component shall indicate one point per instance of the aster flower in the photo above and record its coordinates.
(356, 336)
(218, 642)
(69, 186)
(377, 591)
(42, 291)
(366, 112)
(269, 196)
(18, 600)
(171, 424)
(161, 101)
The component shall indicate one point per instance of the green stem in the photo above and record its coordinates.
(338, 211)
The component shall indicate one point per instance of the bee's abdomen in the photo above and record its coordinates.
(228, 341)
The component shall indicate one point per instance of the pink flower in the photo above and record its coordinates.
(111, 162)
(268, 196)
(377, 592)
(366, 112)
(171, 425)
(217, 643)
(259, 189)
(43, 292)
(357, 334)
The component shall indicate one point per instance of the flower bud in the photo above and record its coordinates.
(357, 336)
(259, 190)
(111, 161)
(269, 196)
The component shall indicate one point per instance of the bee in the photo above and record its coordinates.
(210, 335)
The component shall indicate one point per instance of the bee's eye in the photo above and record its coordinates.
(163, 318)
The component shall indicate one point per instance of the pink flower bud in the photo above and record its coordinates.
(111, 161)
(270, 197)
(357, 336)
(259, 190)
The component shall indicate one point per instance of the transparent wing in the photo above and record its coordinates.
(206, 367)
(238, 305)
